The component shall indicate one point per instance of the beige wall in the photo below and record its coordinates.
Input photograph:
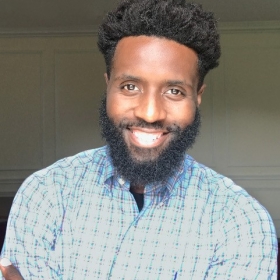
(51, 88)
(49, 98)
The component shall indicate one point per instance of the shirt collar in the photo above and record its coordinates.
(170, 183)
(109, 169)
(166, 186)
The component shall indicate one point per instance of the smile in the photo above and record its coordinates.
(147, 139)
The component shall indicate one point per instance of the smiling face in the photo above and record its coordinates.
(151, 93)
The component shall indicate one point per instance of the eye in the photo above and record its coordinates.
(174, 91)
(130, 87)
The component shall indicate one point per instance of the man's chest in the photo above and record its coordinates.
(113, 242)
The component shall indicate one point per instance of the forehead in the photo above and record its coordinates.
(155, 56)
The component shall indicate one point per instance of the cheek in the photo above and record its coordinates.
(113, 106)
(182, 114)
(118, 107)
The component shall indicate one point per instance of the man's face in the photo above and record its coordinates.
(152, 94)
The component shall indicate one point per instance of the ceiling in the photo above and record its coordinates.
(83, 15)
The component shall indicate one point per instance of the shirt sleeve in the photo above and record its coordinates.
(247, 243)
(32, 231)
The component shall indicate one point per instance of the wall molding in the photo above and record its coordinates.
(248, 26)
(9, 187)
(255, 177)
(36, 58)
(257, 182)
(92, 30)
(50, 32)
(276, 223)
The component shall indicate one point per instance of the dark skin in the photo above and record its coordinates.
(10, 272)
(137, 189)
(155, 80)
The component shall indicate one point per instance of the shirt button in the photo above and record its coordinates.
(121, 181)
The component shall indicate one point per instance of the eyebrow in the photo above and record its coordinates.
(127, 77)
(178, 83)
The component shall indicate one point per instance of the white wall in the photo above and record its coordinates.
(241, 126)
(51, 88)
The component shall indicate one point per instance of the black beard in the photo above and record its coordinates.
(141, 173)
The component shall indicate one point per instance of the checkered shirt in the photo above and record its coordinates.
(77, 220)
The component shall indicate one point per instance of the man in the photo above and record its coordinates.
(140, 208)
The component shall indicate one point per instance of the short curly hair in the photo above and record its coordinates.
(185, 23)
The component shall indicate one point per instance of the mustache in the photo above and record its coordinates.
(125, 123)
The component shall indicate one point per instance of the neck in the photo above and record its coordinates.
(137, 189)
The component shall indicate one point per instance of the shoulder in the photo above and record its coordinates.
(208, 180)
(235, 210)
(223, 194)
(61, 176)
(83, 160)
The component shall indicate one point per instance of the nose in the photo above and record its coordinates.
(150, 107)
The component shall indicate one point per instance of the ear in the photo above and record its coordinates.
(106, 78)
(199, 94)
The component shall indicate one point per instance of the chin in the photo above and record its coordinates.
(141, 155)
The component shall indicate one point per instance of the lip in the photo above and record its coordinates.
(146, 138)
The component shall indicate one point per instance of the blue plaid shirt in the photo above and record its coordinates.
(77, 220)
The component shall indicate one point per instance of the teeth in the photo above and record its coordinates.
(146, 137)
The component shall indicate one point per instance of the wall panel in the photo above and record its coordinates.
(51, 89)
(253, 106)
(204, 148)
(79, 86)
(21, 135)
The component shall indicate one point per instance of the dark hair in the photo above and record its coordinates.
(185, 23)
